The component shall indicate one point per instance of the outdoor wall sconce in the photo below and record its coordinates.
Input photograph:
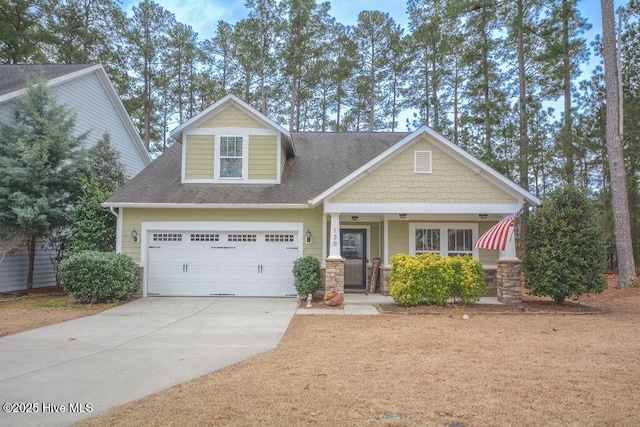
(354, 217)
(482, 216)
(403, 216)
(134, 236)
(309, 237)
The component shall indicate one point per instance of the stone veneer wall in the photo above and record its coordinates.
(508, 282)
(491, 281)
(334, 275)
(385, 277)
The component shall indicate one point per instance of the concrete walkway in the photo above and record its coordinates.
(365, 304)
(74, 370)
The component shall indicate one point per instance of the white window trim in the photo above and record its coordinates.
(443, 227)
(245, 158)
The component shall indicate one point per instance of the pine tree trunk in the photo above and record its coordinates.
(31, 252)
(523, 119)
(566, 63)
(621, 223)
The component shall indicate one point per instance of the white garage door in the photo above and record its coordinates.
(211, 263)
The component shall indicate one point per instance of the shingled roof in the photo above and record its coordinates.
(322, 160)
(16, 77)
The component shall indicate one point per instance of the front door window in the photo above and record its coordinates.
(353, 244)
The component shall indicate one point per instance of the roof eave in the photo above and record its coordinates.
(108, 204)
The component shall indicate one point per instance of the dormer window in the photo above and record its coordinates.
(231, 156)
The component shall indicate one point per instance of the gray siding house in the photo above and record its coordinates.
(87, 91)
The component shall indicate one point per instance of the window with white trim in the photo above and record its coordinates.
(444, 239)
(459, 241)
(231, 156)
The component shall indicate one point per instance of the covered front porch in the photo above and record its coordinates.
(359, 244)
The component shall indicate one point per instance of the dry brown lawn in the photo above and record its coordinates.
(44, 306)
(494, 369)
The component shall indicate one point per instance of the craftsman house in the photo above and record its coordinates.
(87, 91)
(229, 207)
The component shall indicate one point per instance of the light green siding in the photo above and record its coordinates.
(487, 256)
(199, 157)
(396, 182)
(263, 157)
(283, 159)
(398, 238)
(231, 117)
(133, 218)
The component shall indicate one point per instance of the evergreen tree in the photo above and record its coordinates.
(566, 49)
(563, 249)
(40, 158)
(20, 34)
(146, 38)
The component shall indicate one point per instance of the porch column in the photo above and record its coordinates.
(334, 272)
(508, 274)
(334, 237)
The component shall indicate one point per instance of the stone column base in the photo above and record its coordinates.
(385, 277)
(334, 275)
(508, 282)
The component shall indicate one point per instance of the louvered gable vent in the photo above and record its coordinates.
(422, 162)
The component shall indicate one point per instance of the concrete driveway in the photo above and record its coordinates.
(60, 374)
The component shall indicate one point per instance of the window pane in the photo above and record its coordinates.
(231, 146)
(427, 240)
(460, 240)
(230, 168)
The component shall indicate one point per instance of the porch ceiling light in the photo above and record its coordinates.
(403, 216)
(483, 216)
(354, 217)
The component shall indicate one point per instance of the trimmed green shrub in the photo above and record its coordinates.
(468, 279)
(432, 279)
(306, 273)
(93, 277)
(425, 277)
(564, 251)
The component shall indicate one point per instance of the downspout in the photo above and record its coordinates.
(118, 229)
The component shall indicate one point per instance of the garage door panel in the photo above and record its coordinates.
(210, 262)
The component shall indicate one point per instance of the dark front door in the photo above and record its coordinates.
(353, 248)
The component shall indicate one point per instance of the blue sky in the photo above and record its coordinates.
(203, 15)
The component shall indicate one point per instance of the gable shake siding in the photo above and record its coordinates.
(231, 117)
(449, 182)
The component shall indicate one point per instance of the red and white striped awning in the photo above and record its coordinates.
(498, 235)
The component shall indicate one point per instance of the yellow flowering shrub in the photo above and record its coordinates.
(425, 277)
(468, 280)
(433, 279)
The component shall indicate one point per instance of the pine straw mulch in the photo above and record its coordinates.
(427, 370)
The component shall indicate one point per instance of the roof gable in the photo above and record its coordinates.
(63, 77)
(396, 181)
(207, 118)
(15, 78)
(445, 146)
